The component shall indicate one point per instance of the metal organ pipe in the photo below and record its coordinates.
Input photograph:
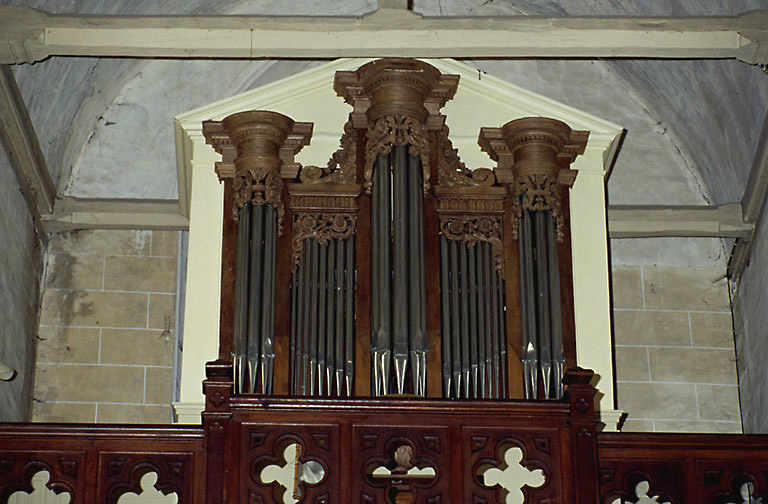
(398, 288)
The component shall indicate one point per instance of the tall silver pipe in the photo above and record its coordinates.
(268, 300)
(445, 327)
(496, 309)
(382, 164)
(417, 304)
(542, 303)
(340, 321)
(331, 318)
(322, 335)
(556, 321)
(254, 295)
(502, 336)
(530, 348)
(313, 271)
(383, 335)
(490, 368)
(239, 327)
(349, 349)
(294, 349)
(400, 299)
(455, 330)
(305, 313)
(466, 364)
(475, 328)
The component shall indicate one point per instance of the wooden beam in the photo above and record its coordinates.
(753, 202)
(85, 213)
(20, 141)
(693, 221)
(28, 35)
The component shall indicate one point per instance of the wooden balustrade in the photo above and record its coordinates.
(251, 449)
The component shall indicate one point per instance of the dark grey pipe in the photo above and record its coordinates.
(400, 299)
(294, 330)
(475, 328)
(466, 364)
(349, 349)
(382, 353)
(491, 371)
(416, 283)
(556, 321)
(530, 351)
(496, 309)
(254, 295)
(382, 164)
(445, 328)
(330, 332)
(305, 314)
(340, 321)
(240, 324)
(542, 301)
(455, 329)
(314, 273)
(322, 308)
(268, 300)
(502, 337)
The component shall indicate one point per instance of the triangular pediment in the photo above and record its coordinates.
(481, 101)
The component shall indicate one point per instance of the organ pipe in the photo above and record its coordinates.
(534, 154)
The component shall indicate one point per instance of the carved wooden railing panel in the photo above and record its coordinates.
(681, 468)
(398, 450)
(101, 463)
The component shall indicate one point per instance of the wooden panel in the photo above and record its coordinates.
(228, 262)
(363, 287)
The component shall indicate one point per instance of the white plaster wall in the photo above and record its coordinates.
(20, 270)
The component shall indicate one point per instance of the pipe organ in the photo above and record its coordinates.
(394, 270)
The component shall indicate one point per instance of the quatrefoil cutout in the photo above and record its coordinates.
(292, 473)
(641, 492)
(40, 493)
(511, 475)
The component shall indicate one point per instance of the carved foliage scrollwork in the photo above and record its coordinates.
(342, 165)
(451, 171)
(471, 229)
(321, 227)
(536, 192)
(259, 186)
(392, 130)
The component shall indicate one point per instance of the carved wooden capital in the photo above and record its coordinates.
(321, 212)
(531, 154)
(472, 215)
(398, 101)
(257, 149)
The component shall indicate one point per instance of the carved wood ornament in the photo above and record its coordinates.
(398, 101)
(530, 153)
(257, 149)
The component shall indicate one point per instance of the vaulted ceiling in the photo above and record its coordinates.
(105, 124)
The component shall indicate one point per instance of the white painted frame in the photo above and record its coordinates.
(481, 100)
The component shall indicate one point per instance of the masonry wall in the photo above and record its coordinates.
(106, 342)
(750, 311)
(674, 349)
(20, 270)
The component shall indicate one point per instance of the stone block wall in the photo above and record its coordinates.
(21, 266)
(105, 341)
(674, 349)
